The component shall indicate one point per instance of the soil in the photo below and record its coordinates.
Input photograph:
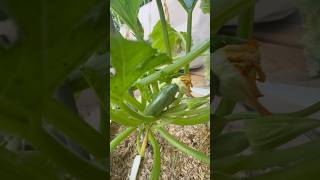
(174, 164)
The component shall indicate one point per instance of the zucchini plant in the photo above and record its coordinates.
(148, 90)
(263, 131)
(41, 70)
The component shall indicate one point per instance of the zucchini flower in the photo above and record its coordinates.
(237, 68)
(184, 83)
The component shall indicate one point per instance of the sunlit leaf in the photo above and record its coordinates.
(131, 59)
(128, 11)
(176, 39)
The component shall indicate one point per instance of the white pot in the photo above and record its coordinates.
(271, 10)
(149, 16)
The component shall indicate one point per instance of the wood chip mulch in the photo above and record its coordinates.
(174, 164)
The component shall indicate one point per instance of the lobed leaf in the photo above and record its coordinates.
(128, 11)
(176, 39)
(131, 59)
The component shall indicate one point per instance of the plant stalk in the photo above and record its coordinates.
(219, 18)
(178, 63)
(164, 28)
(183, 147)
(103, 122)
(189, 39)
(144, 144)
(123, 135)
(246, 21)
(155, 173)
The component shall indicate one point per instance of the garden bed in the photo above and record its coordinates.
(197, 137)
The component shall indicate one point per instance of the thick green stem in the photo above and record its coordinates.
(138, 147)
(123, 118)
(220, 17)
(61, 155)
(155, 174)
(104, 118)
(191, 112)
(134, 102)
(305, 112)
(184, 148)
(189, 39)
(136, 114)
(246, 20)
(23, 165)
(178, 63)
(189, 32)
(225, 107)
(144, 143)
(155, 87)
(164, 28)
(74, 127)
(116, 141)
(198, 119)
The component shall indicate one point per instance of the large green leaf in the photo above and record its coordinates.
(269, 132)
(22, 165)
(128, 11)
(131, 59)
(49, 47)
(176, 39)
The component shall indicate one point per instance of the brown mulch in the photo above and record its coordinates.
(174, 164)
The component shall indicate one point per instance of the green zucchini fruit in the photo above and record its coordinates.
(162, 100)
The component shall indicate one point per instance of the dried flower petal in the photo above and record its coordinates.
(238, 68)
(184, 83)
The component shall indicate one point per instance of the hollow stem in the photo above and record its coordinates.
(164, 27)
(246, 20)
(189, 39)
(144, 144)
(178, 63)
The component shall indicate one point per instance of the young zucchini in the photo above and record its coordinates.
(162, 100)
